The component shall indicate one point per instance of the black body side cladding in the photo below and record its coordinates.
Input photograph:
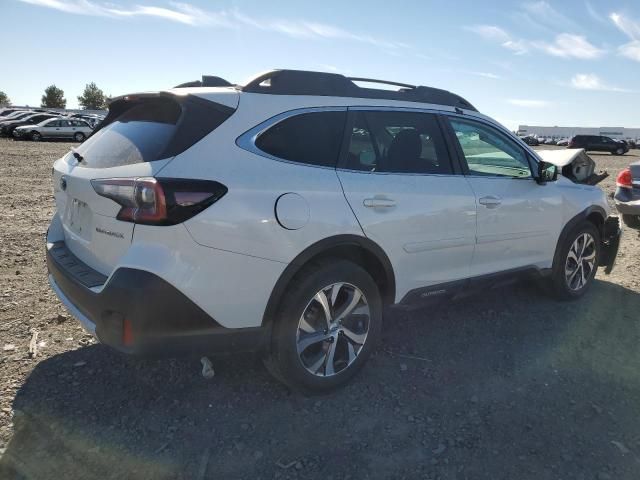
(162, 319)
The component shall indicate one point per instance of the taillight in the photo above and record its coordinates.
(159, 201)
(625, 179)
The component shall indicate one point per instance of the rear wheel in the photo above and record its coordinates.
(36, 137)
(326, 327)
(631, 221)
(576, 263)
(78, 137)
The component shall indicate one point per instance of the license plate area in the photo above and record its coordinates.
(78, 218)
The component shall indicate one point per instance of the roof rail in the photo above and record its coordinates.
(300, 82)
(207, 81)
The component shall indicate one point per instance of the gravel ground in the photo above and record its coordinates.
(508, 385)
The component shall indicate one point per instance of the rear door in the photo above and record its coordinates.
(398, 178)
(138, 142)
(519, 220)
(66, 129)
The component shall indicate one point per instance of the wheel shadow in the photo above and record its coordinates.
(509, 384)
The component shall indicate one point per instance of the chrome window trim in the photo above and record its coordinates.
(247, 141)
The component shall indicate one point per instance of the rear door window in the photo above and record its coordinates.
(312, 138)
(397, 142)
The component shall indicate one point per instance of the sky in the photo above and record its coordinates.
(569, 63)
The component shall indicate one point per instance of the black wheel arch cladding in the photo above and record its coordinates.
(375, 260)
(594, 212)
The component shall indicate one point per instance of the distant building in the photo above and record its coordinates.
(568, 132)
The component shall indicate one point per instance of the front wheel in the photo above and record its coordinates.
(326, 327)
(576, 262)
(78, 137)
(618, 151)
(36, 137)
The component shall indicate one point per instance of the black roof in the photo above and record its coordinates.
(300, 82)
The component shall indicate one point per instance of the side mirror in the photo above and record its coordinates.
(547, 172)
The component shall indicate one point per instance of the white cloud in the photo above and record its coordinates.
(493, 76)
(590, 81)
(490, 32)
(627, 26)
(181, 12)
(187, 14)
(564, 45)
(528, 103)
(631, 29)
(568, 45)
(499, 35)
(594, 14)
(545, 14)
(519, 47)
(631, 50)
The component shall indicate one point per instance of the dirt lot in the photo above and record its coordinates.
(507, 385)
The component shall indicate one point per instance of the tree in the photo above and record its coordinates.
(92, 98)
(53, 97)
(4, 100)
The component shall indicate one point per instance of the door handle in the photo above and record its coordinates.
(379, 202)
(490, 201)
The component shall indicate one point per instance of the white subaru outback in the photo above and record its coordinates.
(282, 216)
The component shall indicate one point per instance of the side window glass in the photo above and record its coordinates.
(397, 142)
(53, 124)
(312, 138)
(489, 152)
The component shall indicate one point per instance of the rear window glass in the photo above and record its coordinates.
(140, 134)
(311, 138)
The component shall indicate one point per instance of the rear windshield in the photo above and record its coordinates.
(139, 135)
(153, 129)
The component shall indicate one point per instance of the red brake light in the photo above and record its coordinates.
(164, 201)
(625, 179)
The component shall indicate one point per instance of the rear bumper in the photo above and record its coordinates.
(610, 243)
(138, 312)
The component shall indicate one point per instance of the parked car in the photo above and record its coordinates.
(531, 140)
(627, 196)
(7, 128)
(262, 223)
(563, 142)
(55, 128)
(16, 116)
(9, 111)
(598, 143)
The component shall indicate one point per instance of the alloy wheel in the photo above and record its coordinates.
(332, 329)
(581, 261)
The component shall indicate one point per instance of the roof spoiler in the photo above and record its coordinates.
(207, 81)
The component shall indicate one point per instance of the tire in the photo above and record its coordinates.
(78, 137)
(36, 137)
(631, 221)
(313, 355)
(619, 151)
(564, 284)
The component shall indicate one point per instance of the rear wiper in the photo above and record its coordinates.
(78, 157)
